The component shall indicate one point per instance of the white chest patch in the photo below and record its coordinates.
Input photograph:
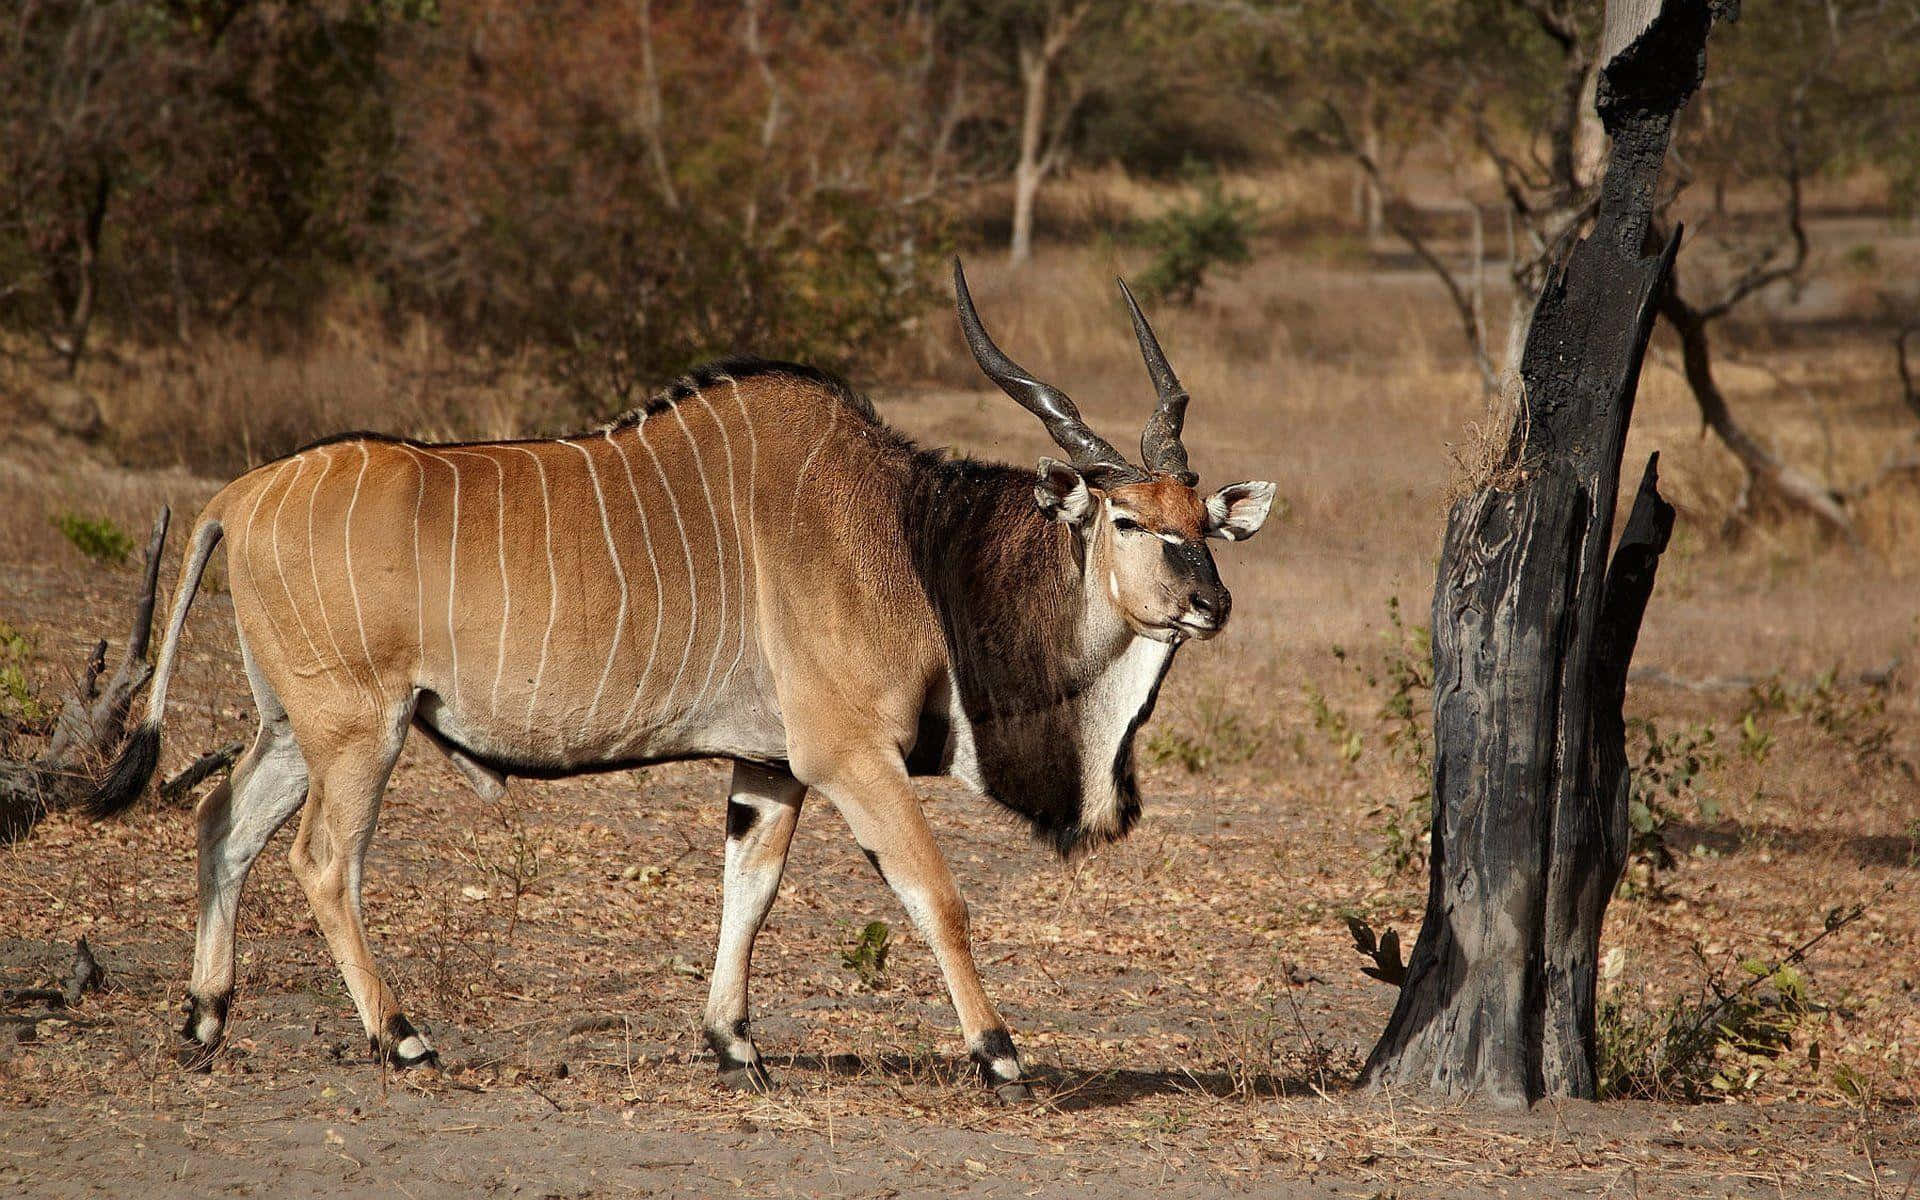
(1108, 709)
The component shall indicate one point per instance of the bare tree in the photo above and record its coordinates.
(1534, 625)
(1815, 92)
(1044, 116)
(650, 112)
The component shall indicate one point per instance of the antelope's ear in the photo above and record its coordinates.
(1237, 511)
(1061, 492)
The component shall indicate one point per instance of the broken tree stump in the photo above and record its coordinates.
(92, 721)
(1533, 631)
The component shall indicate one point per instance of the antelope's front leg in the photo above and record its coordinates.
(763, 807)
(881, 808)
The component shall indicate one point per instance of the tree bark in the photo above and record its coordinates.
(1038, 58)
(1034, 70)
(1533, 631)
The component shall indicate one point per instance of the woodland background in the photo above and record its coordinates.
(228, 228)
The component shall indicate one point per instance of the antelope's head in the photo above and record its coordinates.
(1142, 529)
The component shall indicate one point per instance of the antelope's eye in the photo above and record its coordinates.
(1126, 524)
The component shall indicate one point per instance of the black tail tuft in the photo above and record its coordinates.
(128, 778)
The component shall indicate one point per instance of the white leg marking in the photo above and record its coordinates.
(719, 556)
(553, 585)
(659, 605)
(267, 787)
(500, 545)
(613, 555)
(693, 589)
(353, 588)
(806, 464)
(280, 568)
(754, 865)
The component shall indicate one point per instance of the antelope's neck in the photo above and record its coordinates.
(1047, 684)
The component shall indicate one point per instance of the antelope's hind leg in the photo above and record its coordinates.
(763, 806)
(236, 820)
(329, 853)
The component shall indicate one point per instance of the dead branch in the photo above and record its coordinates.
(1763, 467)
(92, 720)
(214, 760)
(1908, 394)
(1396, 219)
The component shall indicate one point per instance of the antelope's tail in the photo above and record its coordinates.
(133, 769)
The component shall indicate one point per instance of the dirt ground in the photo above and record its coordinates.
(1191, 999)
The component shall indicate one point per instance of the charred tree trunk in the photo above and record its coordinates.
(92, 721)
(1533, 631)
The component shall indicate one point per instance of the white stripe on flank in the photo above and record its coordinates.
(253, 576)
(353, 588)
(740, 550)
(553, 584)
(753, 505)
(719, 555)
(806, 464)
(693, 589)
(506, 596)
(313, 569)
(419, 579)
(613, 554)
(453, 574)
(280, 568)
(659, 604)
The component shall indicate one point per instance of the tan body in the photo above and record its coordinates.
(755, 568)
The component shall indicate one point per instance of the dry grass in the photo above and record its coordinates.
(1191, 996)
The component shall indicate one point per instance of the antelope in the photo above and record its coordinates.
(752, 567)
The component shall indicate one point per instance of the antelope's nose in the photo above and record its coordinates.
(1210, 606)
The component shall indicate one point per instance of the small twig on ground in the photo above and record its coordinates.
(83, 976)
(600, 1024)
(184, 783)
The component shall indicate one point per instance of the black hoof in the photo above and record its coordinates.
(740, 1074)
(205, 1028)
(1013, 1093)
(192, 1056)
(748, 1077)
(999, 1065)
(391, 1046)
(428, 1059)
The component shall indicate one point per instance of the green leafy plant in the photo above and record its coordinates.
(1403, 678)
(96, 537)
(1855, 717)
(19, 700)
(1755, 742)
(1665, 777)
(1219, 734)
(1334, 724)
(1718, 1041)
(1192, 239)
(867, 957)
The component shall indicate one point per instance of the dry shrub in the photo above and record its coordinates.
(232, 405)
